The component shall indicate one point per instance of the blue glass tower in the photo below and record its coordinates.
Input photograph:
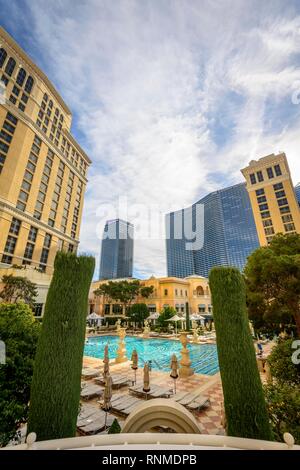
(297, 191)
(116, 259)
(227, 227)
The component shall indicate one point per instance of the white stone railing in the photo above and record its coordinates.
(159, 440)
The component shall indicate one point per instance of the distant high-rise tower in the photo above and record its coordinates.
(228, 232)
(116, 259)
(297, 191)
(273, 197)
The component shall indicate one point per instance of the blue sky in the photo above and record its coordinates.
(170, 98)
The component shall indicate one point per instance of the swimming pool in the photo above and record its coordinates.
(203, 356)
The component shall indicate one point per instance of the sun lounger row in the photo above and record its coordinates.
(91, 390)
(91, 420)
(124, 404)
(193, 401)
(90, 373)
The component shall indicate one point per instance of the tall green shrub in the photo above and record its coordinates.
(244, 401)
(55, 391)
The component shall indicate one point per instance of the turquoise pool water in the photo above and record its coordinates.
(203, 356)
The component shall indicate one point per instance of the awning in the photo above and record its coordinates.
(202, 305)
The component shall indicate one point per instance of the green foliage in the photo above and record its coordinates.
(18, 288)
(187, 317)
(281, 365)
(273, 283)
(138, 313)
(55, 390)
(19, 330)
(283, 402)
(123, 292)
(165, 314)
(115, 428)
(244, 401)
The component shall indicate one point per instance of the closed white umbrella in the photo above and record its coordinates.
(175, 318)
(135, 361)
(107, 397)
(174, 370)
(106, 362)
(146, 386)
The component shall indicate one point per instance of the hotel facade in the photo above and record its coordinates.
(167, 292)
(273, 197)
(42, 168)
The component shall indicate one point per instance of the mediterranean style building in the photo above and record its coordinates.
(168, 292)
(42, 168)
(273, 197)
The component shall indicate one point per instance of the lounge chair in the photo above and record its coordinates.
(118, 380)
(94, 423)
(194, 401)
(91, 391)
(90, 373)
(124, 404)
(155, 391)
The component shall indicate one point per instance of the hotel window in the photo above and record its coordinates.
(43, 105)
(37, 310)
(10, 66)
(253, 178)
(7, 259)
(71, 248)
(3, 55)
(5, 136)
(269, 231)
(166, 291)
(21, 107)
(16, 90)
(21, 77)
(4, 79)
(265, 215)
(261, 199)
(8, 127)
(259, 192)
(28, 253)
(267, 223)
(15, 226)
(260, 176)
(287, 218)
(10, 244)
(47, 240)
(50, 104)
(278, 186)
(32, 234)
(270, 173)
(280, 194)
(44, 259)
(29, 84)
(12, 99)
(263, 207)
(277, 170)
(282, 202)
(284, 210)
(289, 227)
(45, 98)
(24, 98)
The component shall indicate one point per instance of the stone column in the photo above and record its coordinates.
(185, 370)
(121, 353)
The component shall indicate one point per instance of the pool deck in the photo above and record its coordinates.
(210, 419)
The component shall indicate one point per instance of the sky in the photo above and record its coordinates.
(170, 99)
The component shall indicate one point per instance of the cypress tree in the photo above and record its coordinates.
(244, 402)
(55, 390)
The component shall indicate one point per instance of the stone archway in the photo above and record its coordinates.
(161, 412)
(199, 291)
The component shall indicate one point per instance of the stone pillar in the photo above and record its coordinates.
(110, 309)
(121, 353)
(185, 363)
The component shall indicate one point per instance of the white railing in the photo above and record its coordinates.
(158, 440)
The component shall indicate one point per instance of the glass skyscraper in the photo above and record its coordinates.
(226, 227)
(297, 191)
(116, 260)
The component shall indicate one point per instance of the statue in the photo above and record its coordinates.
(146, 329)
(118, 324)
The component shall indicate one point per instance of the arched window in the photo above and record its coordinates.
(21, 77)
(29, 84)
(3, 55)
(50, 104)
(45, 97)
(10, 66)
(200, 291)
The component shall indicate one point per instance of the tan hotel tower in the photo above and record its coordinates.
(42, 168)
(272, 195)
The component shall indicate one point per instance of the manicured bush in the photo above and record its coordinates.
(244, 402)
(55, 391)
(19, 331)
(281, 365)
(115, 428)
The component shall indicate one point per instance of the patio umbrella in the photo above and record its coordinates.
(107, 397)
(175, 318)
(174, 370)
(146, 386)
(134, 365)
(106, 362)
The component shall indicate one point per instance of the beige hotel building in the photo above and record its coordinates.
(273, 198)
(42, 168)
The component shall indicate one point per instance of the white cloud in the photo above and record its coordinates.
(167, 93)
